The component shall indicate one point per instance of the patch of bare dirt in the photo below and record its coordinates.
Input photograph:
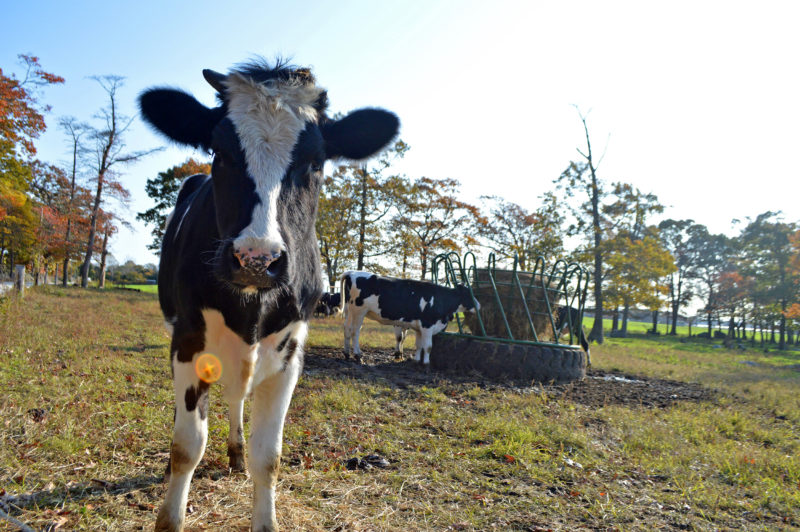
(599, 388)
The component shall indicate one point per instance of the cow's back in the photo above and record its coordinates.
(186, 248)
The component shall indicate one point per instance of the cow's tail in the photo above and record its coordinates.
(343, 301)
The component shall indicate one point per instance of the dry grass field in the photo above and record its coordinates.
(662, 435)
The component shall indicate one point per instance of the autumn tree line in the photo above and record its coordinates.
(57, 219)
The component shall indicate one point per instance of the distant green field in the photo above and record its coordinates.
(149, 288)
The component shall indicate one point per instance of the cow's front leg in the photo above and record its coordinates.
(270, 402)
(188, 440)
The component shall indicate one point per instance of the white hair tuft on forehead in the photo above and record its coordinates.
(268, 117)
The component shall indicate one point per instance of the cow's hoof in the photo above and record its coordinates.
(358, 359)
(398, 355)
(236, 463)
(346, 355)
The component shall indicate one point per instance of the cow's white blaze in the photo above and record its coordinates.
(268, 118)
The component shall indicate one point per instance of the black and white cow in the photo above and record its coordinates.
(424, 307)
(569, 318)
(328, 304)
(239, 273)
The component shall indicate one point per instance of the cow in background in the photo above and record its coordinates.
(424, 307)
(329, 303)
(569, 317)
(240, 269)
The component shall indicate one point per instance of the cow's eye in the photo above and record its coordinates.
(316, 167)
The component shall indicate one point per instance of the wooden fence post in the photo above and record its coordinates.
(19, 279)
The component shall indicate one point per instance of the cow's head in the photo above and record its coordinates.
(270, 137)
(465, 300)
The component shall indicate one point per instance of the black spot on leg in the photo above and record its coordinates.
(291, 349)
(197, 397)
(283, 342)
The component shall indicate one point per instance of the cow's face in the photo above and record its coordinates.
(465, 300)
(270, 139)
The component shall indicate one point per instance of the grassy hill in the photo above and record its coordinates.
(663, 434)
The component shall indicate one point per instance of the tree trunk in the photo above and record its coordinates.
(423, 259)
(362, 221)
(782, 327)
(596, 333)
(92, 233)
(655, 321)
(624, 330)
(615, 320)
(731, 328)
(103, 255)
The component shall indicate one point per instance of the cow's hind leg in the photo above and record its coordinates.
(236, 384)
(270, 402)
(399, 336)
(352, 328)
(426, 342)
(348, 334)
(188, 440)
(418, 346)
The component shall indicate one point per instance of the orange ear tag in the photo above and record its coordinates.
(208, 368)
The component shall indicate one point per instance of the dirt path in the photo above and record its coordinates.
(598, 389)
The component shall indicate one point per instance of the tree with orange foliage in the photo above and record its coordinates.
(732, 292)
(163, 189)
(21, 122)
(435, 219)
(511, 231)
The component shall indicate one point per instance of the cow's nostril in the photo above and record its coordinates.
(275, 266)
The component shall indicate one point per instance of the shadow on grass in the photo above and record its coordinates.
(57, 498)
(136, 348)
(599, 388)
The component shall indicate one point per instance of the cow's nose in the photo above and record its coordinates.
(257, 261)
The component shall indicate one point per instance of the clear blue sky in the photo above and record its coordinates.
(698, 102)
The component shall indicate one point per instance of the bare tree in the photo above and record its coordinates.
(589, 218)
(108, 153)
(75, 131)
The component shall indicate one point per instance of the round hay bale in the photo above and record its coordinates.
(498, 360)
(511, 300)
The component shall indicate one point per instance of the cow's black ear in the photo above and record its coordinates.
(179, 116)
(360, 134)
